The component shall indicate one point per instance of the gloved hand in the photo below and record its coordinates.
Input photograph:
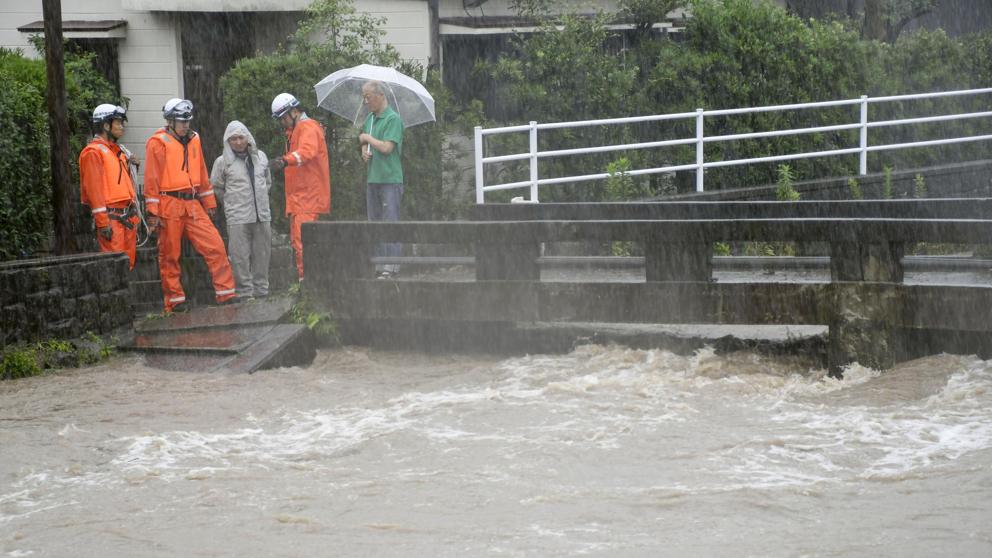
(212, 212)
(107, 232)
(277, 164)
(153, 223)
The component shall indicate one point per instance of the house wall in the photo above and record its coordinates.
(149, 57)
(407, 26)
(455, 8)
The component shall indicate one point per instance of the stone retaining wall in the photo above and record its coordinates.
(63, 297)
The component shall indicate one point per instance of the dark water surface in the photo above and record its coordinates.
(602, 452)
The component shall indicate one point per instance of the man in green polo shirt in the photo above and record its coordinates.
(382, 150)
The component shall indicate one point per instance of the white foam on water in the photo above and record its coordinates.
(810, 437)
(827, 441)
(296, 437)
(805, 428)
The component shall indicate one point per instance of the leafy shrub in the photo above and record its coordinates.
(567, 71)
(855, 188)
(785, 190)
(19, 362)
(25, 174)
(22, 361)
(25, 209)
(305, 312)
(919, 186)
(887, 191)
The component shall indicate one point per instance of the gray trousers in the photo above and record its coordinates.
(383, 204)
(249, 247)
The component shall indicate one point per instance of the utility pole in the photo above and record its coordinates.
(58, 128)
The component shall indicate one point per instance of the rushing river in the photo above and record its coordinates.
(602, 452)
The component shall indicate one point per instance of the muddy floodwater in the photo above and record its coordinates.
(605, 451)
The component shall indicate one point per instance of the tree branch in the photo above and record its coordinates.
(895, 30)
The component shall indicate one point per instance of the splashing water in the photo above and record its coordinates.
(604, 451)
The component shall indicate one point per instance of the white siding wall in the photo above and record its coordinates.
(150, 66)
(407, 26)
(454, 8)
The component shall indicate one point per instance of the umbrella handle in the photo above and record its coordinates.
(368, 146)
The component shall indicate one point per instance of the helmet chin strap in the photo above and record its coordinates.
(172, 128)
(106, 131)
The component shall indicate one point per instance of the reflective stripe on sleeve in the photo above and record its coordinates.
(96, 210)
(151, 200)
(224, 293)
(299, 161)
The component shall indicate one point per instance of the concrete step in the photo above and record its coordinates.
(241, 337)
(283, 345)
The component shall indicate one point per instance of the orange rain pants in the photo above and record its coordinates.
(187, 218)
(296, 221)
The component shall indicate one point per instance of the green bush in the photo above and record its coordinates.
(25, 360)
(565, 72)
(887, 191)
(25, 207)
(733, 53)
(785, 189)
(19, 362)
(739, 53)
(25, 174)
(855, 189)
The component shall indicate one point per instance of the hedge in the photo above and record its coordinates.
(25, 174)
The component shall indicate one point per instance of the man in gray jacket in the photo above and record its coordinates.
(241, 181)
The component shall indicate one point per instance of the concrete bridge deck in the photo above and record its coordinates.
(876, 313)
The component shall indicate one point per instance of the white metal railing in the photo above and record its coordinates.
(534, 155)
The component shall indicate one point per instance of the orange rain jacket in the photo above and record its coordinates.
(104, 179)
(308, 175)
(171, 166)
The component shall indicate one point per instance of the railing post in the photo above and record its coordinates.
(480, 195)
(863, 163)
(533, 161)
(699, 150)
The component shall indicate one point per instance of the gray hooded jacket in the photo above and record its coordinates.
(242, 201)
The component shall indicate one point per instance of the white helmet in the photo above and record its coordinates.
(282, 103)
(178, 109)
(108, 113)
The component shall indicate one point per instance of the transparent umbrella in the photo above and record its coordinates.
(341, 93)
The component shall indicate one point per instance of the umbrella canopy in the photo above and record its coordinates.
(341, 93)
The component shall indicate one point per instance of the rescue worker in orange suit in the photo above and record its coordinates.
(308, 175)
(106, 185)
(180, 202)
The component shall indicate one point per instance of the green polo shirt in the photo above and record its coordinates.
(386, 169)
